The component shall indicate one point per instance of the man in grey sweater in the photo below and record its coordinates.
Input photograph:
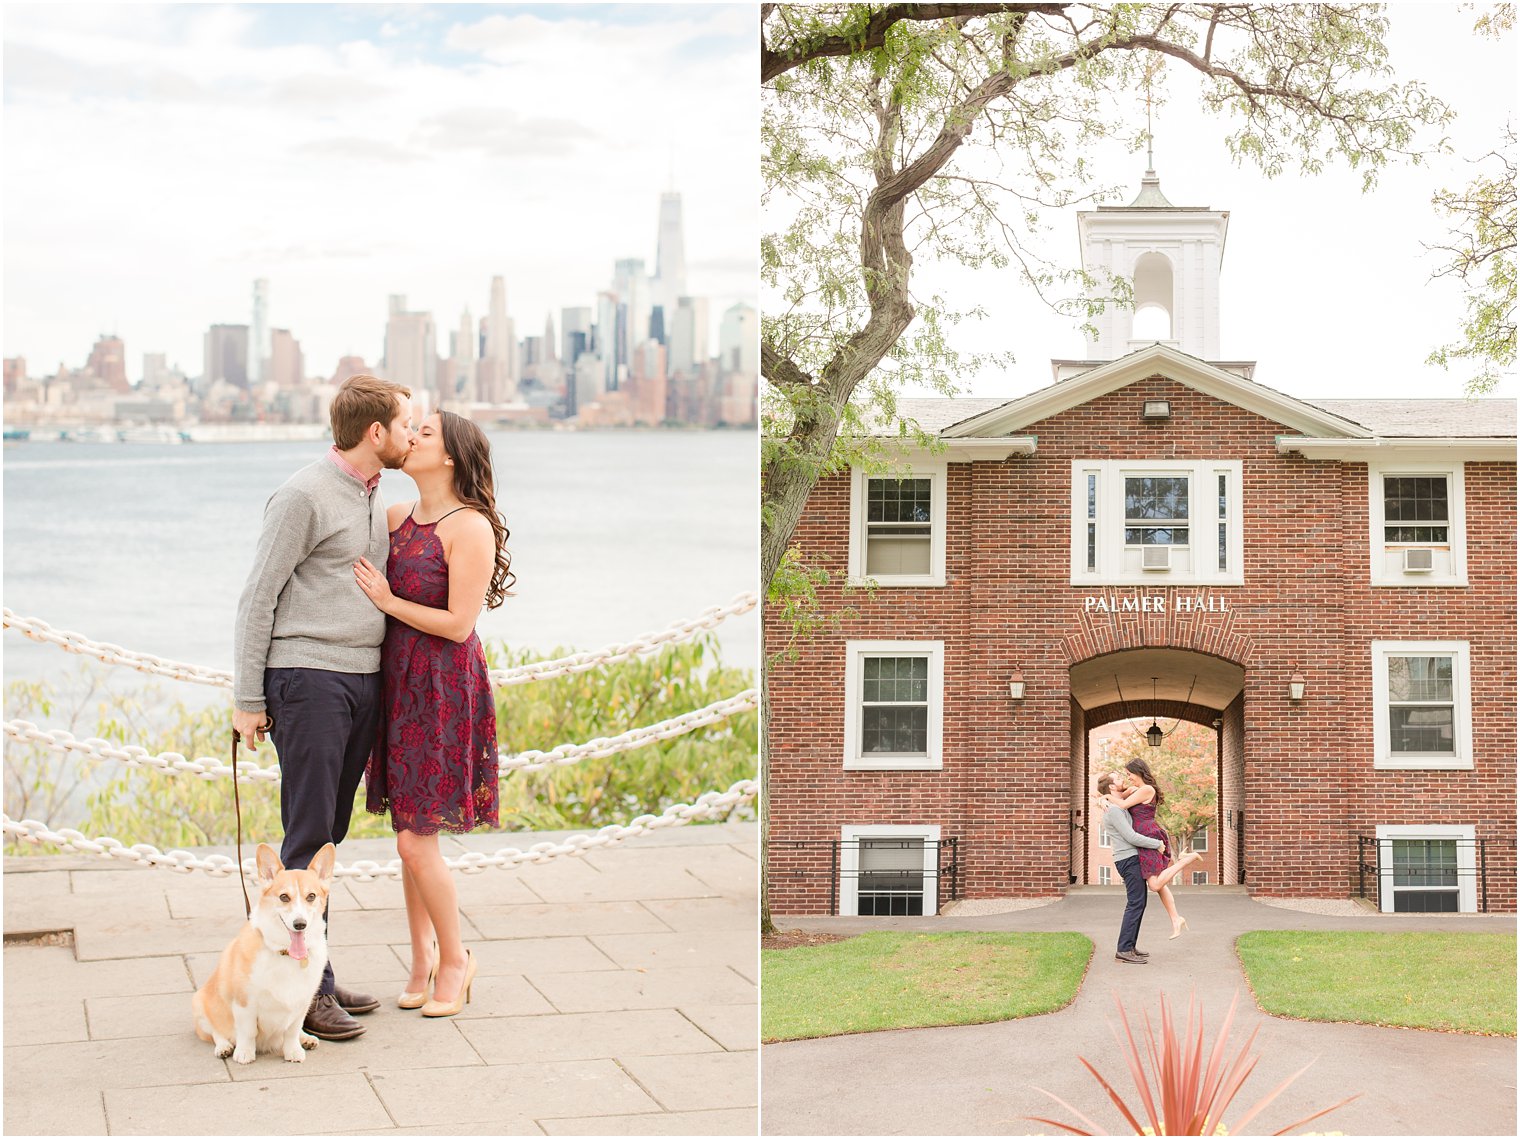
(307, 644)
(1124, 838)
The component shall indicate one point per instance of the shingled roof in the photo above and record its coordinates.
(1428, 418)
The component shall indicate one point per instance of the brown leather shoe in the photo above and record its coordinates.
(355, 1004)
(327, 1021)
(1130, 957)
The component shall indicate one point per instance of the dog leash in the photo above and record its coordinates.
(237, 806)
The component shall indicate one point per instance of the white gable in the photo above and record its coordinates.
(1158, 359)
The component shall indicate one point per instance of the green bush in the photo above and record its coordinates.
(169, 811)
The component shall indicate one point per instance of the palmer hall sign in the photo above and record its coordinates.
(1153, 603)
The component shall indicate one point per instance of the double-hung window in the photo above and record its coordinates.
(1422, 703)
(1417, 523)
(894, 696)
(897, 526)
(1156, 523)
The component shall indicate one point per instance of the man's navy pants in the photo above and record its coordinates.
(324, 729)
(1134, 902)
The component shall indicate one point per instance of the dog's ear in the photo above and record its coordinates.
(268, 863)
(322, 864)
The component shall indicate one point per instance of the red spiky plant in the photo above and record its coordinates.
(1190, 1093)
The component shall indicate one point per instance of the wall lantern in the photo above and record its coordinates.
(1016, 684)
(1296, 686)
(1154, 735)
(1156, 409)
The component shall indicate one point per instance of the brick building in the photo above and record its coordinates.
(1329, 585)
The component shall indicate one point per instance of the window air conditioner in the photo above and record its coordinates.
(1422, 560)
(1156, 558)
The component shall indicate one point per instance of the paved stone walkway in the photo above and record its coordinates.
(979, 1079)
(615, 996)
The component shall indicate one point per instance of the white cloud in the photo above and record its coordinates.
(181, 158)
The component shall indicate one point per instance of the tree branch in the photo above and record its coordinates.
(874, 34)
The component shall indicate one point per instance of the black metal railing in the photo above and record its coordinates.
(896, 886)
(1423, 875)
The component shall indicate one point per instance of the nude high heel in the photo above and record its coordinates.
(1178, 928)
(456, 1006)
(417, 1000)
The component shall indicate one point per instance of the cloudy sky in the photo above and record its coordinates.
(159, 158)
(1326, 287)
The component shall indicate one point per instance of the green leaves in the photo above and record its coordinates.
(182, 811)
(1480, 251)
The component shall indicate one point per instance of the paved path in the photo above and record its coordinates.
(978, 1079)
(616, 996)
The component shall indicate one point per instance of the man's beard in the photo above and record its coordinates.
(392, 460)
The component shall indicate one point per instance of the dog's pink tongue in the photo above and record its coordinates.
(298, 944)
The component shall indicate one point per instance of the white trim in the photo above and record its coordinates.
(1454, 558)
(1435, 448)
(1203, 533)
(1467, 861)
(1105, 875)
(855, 653)
(1174, 365)
(1203, 834)
(936, 473)
(849, 862)
(1200, 877)
(1461, 758)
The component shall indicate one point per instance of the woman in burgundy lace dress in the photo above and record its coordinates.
(434, 764)
(1137, 792)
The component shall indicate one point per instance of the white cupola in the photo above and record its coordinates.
(1172, 254)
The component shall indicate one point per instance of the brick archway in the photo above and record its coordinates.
(1212, 634)
(1222, 710)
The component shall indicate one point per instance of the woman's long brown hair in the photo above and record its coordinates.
(475, 486)
(1143, 770)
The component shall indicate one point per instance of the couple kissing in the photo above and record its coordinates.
(1142, 852)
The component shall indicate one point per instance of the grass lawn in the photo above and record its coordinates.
(1452, 982)
(915, 980)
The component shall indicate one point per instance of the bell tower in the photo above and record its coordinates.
(1172, 255)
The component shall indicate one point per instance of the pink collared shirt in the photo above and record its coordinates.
(352, 471)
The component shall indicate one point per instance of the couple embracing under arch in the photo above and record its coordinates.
(1142, 852)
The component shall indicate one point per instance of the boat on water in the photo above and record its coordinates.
(164, 436)
(91, 435)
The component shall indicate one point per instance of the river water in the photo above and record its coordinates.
(613, 534)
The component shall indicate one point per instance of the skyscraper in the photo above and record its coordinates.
(226, 356)
(688, 335)
(574, 334)
(462, 355)
(260, 345)
(287, 365)
(669, 283)
(411, 354)
(631, 284)
(108, 362)
(739, 340)
(500, 347)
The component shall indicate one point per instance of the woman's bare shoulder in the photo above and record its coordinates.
(396, 513)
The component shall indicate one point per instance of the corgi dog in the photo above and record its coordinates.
(256, 998)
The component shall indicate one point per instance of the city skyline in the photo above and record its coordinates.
(428, 105)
